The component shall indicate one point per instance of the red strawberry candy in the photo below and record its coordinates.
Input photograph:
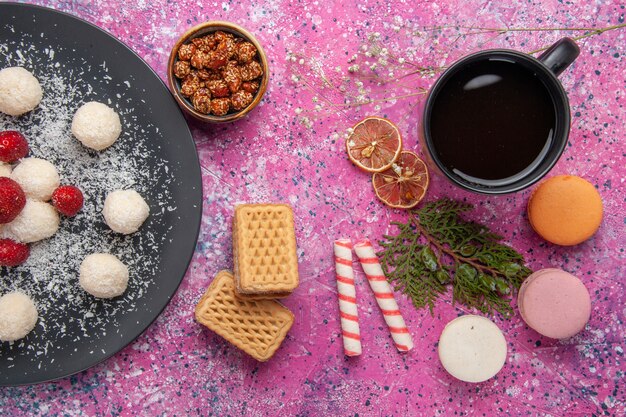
(12, 199)
(13, 146)
(68, 200)
(13, 253)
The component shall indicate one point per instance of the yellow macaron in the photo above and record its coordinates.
(565, 210)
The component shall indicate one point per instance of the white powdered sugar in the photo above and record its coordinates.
(50, 276)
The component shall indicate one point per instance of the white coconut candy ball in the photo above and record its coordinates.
(103, 275)
(5, 170)
(96, 125)
(18, 316)
(20, 92)
(36, 221)
(37, 177)
(125, 211)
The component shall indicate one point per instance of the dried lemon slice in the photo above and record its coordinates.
(374, 144)
(404, 184)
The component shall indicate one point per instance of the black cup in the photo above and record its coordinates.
(547, 67)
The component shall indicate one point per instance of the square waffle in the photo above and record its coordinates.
(256, 327)
(264, 250)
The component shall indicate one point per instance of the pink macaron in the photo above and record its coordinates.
(554, 303)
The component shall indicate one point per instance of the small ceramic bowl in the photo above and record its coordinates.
(201, 30)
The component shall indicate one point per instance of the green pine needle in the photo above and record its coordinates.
(437, 248)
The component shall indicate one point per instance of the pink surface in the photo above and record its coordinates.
(291, 149)
(554, 303)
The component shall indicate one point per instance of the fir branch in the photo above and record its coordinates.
(437, 247)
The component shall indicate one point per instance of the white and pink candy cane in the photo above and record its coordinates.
(347, 298)
(384, 295)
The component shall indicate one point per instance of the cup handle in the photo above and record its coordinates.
(560, 55)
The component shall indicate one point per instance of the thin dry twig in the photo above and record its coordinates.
(332, 85)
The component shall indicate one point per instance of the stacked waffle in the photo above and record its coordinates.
(242, 307)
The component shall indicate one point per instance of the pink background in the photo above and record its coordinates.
(291, 149)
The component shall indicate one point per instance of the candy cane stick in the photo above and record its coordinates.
(384, 295)
(347, 298)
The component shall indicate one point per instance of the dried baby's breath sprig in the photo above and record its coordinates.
(378, 76)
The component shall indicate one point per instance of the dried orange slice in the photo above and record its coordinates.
(374, 144)
(404, 184)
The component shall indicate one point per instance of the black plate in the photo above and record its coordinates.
(78, 331)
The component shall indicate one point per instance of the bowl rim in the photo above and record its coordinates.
(199, 30)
